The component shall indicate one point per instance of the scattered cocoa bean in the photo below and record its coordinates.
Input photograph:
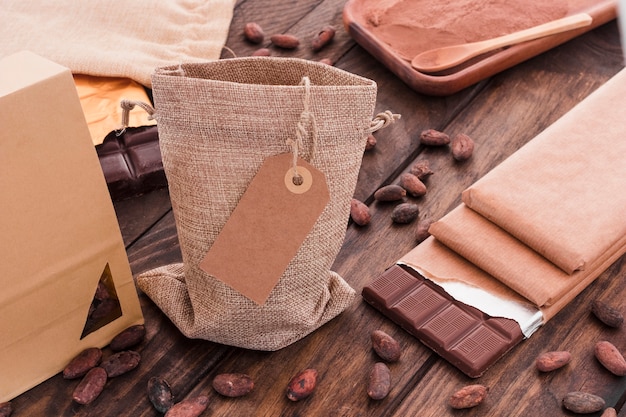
(421, 231)
(253, 32)
(469, 396)
(413, 185)
(128, 337)
(233, 384)
(549, 361)
(262, 52)
(432, 137)
(302, 385)
(583, 402)
(404, 213)
(391, 192)
(370, 143)
(90, 386)
(160, 394)
(322, 38)
(327, 61)
(285, 41)
(6, 409)
(462, 147)
(385, 346)
(609, 412)
(121, 362)
(379, 382)
(190, 407)
(82, 363)
(421, 169)
(607, 314)
(360, 212)
(610, 357)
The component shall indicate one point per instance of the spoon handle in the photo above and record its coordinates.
(450, 56)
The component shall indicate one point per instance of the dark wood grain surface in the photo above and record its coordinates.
(501, 114)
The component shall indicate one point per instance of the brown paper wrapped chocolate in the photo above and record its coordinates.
(551, 217)
(218, 122)
(540, 227)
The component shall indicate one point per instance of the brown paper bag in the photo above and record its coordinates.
(218, 122)
(60, 239)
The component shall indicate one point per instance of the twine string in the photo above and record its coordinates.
(127, 106)
(306, 119)
(382, 120)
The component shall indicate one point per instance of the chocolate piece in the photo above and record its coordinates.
(131, 162)
(463, 335)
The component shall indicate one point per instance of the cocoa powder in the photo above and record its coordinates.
(413, 26)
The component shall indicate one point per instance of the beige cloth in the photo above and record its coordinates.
(547, 221)
(116, 38)
(564, 193)
(218, 122)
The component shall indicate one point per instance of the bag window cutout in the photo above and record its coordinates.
(105, 306)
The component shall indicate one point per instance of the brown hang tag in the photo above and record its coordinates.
(268, 226)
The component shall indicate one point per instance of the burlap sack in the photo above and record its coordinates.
(218, 121)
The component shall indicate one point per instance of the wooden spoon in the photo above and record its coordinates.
(450, 56)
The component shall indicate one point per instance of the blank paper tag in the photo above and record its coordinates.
(267, 227)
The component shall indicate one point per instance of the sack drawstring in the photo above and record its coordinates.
(382, 120)
(127, 106)
(306, 119)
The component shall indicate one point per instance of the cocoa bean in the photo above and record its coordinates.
(322, 38)
(326, 61)
(583, 402)
(392, 192)
(262, 52)
(121, 362)
(469, 396)
(90, 386)
(82, 363)
(610, 357)
(233, 384)
(360, 212)
(285, 41)
(413, 185)
(432, 137)
(609, 412)
(370, 143)
(421, 231)
(379, 382)
(128, 338)
(253, 32)
(6, 409)
(608, 315)
(549, 361)
(405, 213)
(421, 169)
(385, 346)
(160, 394)
(190, 407)
(302, 385)
(462, 147)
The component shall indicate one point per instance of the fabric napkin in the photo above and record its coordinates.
(564, 193)
(116, 38)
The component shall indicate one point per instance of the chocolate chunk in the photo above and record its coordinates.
(131, 162)
(463, 335)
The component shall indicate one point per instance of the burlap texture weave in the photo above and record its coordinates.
(218, 121)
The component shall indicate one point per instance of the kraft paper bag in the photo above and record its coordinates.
(219, 123)
(63, 254)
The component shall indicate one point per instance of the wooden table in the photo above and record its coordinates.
(501, 114)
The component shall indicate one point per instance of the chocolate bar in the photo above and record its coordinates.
(131, 162)
(463, 335)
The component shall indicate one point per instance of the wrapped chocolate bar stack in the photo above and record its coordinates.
(527, 239)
